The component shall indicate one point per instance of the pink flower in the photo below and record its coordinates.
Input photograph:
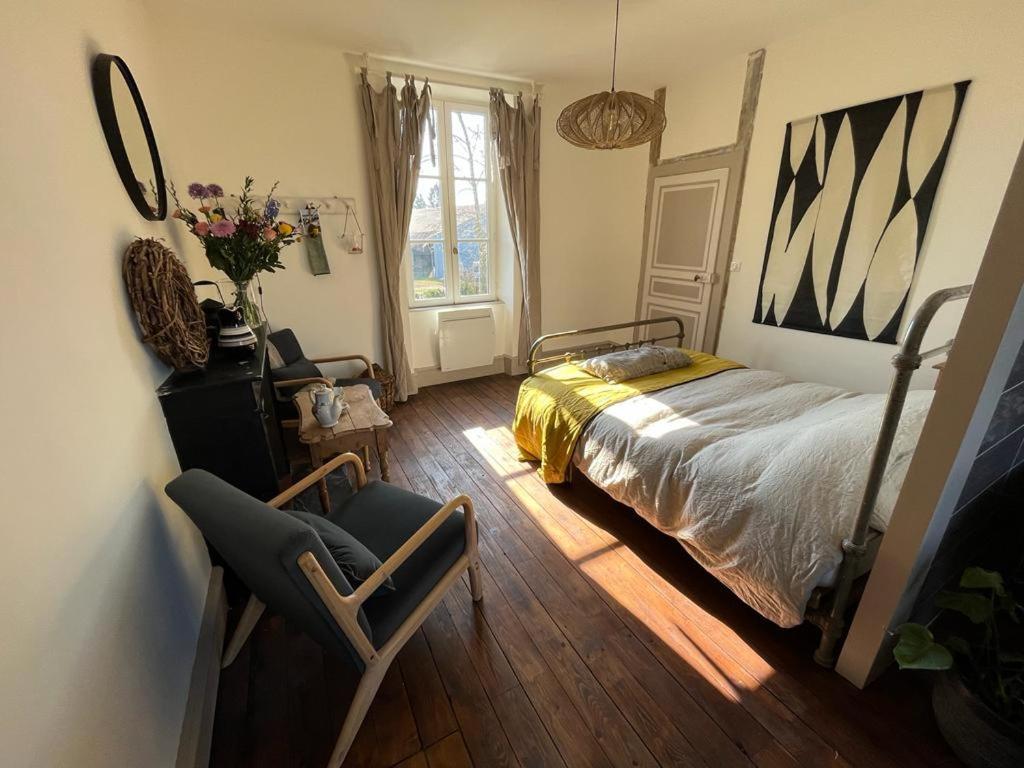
(202, 228)
(269, 233)
(223, 228)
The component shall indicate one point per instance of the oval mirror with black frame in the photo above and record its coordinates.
(129, 135)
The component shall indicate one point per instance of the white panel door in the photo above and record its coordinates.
(681, 261)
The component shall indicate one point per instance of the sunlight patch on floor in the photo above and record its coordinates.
(603, 564)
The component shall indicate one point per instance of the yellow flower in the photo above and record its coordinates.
(215, 217)
(285, 228)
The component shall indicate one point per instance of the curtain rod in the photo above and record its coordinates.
(535, 88)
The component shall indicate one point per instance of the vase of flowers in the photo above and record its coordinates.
(241, 242)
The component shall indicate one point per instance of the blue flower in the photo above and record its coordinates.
(197, 190)
(272, 209)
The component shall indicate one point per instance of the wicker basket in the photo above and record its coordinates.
(387, 386)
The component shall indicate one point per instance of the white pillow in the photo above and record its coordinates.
(616, 367)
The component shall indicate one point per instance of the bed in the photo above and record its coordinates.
(780, 489)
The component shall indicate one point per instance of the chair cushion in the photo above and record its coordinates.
(383, 517)
(354, 560)
(296, 365)
(298, 369)
(303, 369)
(373, 384)
(262, 545)
(287, 345)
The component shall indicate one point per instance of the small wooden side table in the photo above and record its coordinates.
(362, 422)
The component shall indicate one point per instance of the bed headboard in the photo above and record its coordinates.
(579, 353)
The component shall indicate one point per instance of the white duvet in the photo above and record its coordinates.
(758, 476)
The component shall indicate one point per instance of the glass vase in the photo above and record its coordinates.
(241, 294)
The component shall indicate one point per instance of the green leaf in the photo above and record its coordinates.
(1011, 657)
(1010, 606)
(978, 578)
(958, 645)
(975, 607)
(917, 649)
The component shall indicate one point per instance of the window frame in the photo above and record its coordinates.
(443, 110)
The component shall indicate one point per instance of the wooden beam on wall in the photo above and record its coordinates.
(659, 99)
(745, 124)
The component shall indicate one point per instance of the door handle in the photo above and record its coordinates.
(709, 279)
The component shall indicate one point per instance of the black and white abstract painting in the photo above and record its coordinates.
(855, 190)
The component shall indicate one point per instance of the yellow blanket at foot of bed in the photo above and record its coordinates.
(554, 406)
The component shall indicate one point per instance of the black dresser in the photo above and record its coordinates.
(222, 420)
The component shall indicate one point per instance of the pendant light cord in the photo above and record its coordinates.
(615, 45)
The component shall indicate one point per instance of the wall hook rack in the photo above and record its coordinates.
(327, 205)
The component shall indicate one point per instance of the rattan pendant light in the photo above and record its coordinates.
(611, 119)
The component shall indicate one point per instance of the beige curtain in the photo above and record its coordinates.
(393, 128)
(515, 131)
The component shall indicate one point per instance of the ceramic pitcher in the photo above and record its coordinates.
(328, 404)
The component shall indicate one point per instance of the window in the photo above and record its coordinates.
(450, 249)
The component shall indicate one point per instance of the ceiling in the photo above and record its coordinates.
(544, 40)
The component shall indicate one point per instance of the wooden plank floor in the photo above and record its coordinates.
(599, 642)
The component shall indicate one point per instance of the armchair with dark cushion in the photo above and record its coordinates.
(424, 547)
(298, 370)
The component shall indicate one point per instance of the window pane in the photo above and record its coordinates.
(469, 144)
(428, 271)
(428, 167)
(474, 269)
(426, 222)
(471, 209)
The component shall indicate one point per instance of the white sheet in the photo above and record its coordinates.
(758, 476)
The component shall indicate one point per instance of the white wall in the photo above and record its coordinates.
(882, 49)
(276, 108)
(591, 204)
(103, 578)
(703, 108)
(284, 108)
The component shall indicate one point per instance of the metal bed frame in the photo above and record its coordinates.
(578, 353)
(827, 607)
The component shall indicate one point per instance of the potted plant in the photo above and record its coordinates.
(978, 697)
(241, 243)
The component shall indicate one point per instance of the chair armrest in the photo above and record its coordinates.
(345, 610)
(414, 542)
(317, 475)
(341, 358)
(291, 383)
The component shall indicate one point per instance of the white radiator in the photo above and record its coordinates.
(465, 338)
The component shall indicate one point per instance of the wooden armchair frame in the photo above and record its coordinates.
(345, 609)
(295, 383)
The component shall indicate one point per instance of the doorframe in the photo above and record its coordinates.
(732, 156)
(732, 162)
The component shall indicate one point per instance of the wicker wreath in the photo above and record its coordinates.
(165, 304)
